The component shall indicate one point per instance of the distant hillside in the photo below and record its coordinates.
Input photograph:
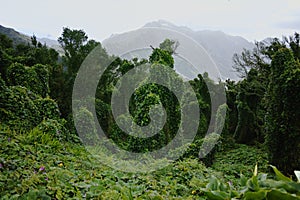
(220, 46)
(52, 44)
(15, 36)
(20, 38)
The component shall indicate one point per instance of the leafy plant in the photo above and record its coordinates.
(256, 187)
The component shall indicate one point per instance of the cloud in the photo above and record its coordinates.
(254, 19)
(293, 24)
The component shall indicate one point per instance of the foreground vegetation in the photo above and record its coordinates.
(38, 165)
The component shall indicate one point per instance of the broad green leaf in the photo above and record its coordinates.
(213, 184)
(234, 194)
(243, 180)
(279, 175)
(277, 195)
(217, 195)
(260, 195)
(291, 187)
(262, 177)
(223, 187)
(252, 184)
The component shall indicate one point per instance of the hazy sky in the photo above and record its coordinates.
(252, 19)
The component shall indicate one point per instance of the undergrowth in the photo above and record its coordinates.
(41, 165)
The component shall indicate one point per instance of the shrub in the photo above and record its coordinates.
(34, 78)
(86, 126)
(17, 106)
(48, 108)
(55, 128)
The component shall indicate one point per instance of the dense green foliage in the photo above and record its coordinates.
(76, 46)
(41, 156)
(266, 107)
(283, 127)
(36, 165)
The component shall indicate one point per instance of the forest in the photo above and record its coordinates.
(255, 153)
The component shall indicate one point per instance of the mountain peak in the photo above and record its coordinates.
(161, 23)
(220, 46)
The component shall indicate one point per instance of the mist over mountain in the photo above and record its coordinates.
(20, 38)
(220, 46)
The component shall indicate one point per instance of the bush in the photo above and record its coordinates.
(85, 126)
(204, 148)
(34, 78)
(54, 128)
(17, 106)
(48, 108)
(21, 108)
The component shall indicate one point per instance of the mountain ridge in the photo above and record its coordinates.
(14, 35)
(21, 38)
(219, 45)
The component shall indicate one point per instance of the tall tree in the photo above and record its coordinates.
(72, 42)
(77, 47)
(283, 116)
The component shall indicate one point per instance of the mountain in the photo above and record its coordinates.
(15, 36)
(20, 38)
(52, 44)
(219, 46)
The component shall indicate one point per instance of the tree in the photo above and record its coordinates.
(248, 59)
(34, 41)
(163, 57)
(268, 99)
(76, 46)
(6, 47)
(231, 93)
(250, 93)
(283, 111)
(294, 43)
(169, 45)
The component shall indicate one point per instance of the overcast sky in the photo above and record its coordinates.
(252, 19)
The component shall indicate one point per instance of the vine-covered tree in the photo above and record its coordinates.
(283, 111)
(267, 100)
